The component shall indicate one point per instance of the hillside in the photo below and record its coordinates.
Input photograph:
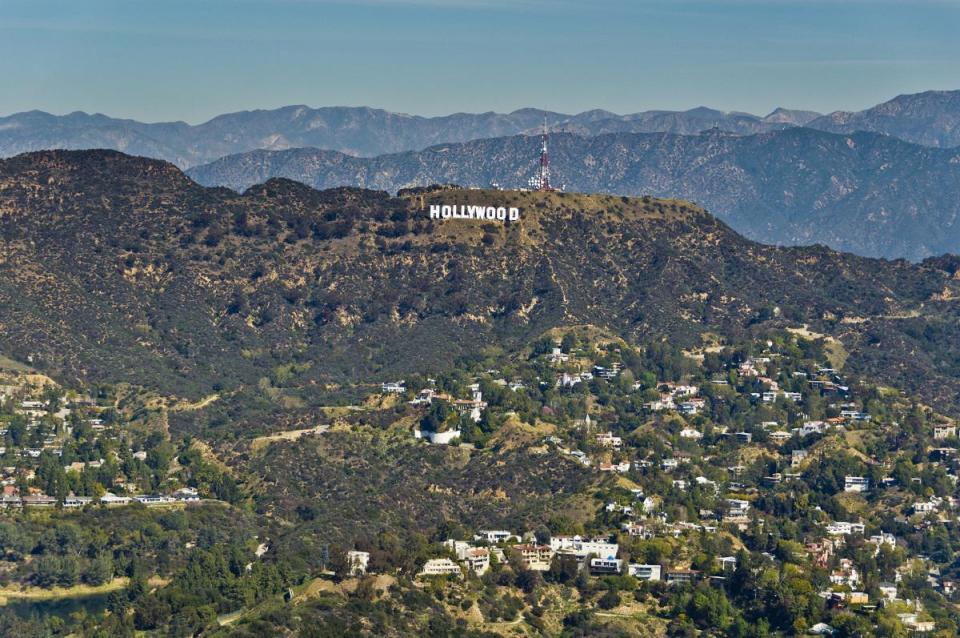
(121, 269)
(215, 451)
(864, 193)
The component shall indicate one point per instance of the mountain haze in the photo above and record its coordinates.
(357, 131)
(929, 118)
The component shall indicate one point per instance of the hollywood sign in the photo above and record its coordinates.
(466, 211)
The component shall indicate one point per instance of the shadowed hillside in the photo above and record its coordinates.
(122, 269)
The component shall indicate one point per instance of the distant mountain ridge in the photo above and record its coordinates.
(865, 193)
(357, 131)
(931, 118)
(689, 122)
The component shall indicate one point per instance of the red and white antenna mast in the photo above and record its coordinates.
(543, 178)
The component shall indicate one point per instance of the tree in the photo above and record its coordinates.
(563, 569)
(338, 562)
(610, 599)
(528, 580)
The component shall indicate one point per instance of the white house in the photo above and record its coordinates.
(644, 572)
(888, 590)
(440, 567)
(477, 559)
(607, 439)
(737, 508)
(941, 432)
(393, 387)
(843, 528)
(599, 566)
(112, 499)
(76, 501)
(857, 484)
(494, 536)
(357, 562)
(623, 466)
(582, 547)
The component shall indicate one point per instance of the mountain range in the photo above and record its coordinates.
(927, 118)
(867, 193)
(122, 269)
(879, 182)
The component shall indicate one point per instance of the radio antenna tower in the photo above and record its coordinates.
(543, 176)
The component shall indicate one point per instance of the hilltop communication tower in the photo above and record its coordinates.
(541, 181)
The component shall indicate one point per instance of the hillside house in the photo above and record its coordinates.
(644, 572)
(605, 566)
(72, 501)
(843, 528)
(583, 547)
(393, 387)
(112, 499)
(440, 567)
(941, 432)
(691, 407)
(622, 467)
(845, 574)
(858, 484)
(357, 563)
(494, 536)
(682, 576)
(534, 557)
(888, 591)
(607, 439)
(38, 500)
(883, 538)
(779, 437)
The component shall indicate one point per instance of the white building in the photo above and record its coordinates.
(583, 547)
(77, 501)
(357, 562)
(644, 572)
(737, 508)
(494, 536)
(843, 528)
(607, 439)
(941, 432)
(393, 387)
(112, 499)
(857, 484)
(599, 566)
(440, 567)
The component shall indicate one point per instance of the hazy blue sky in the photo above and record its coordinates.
(191, 59)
